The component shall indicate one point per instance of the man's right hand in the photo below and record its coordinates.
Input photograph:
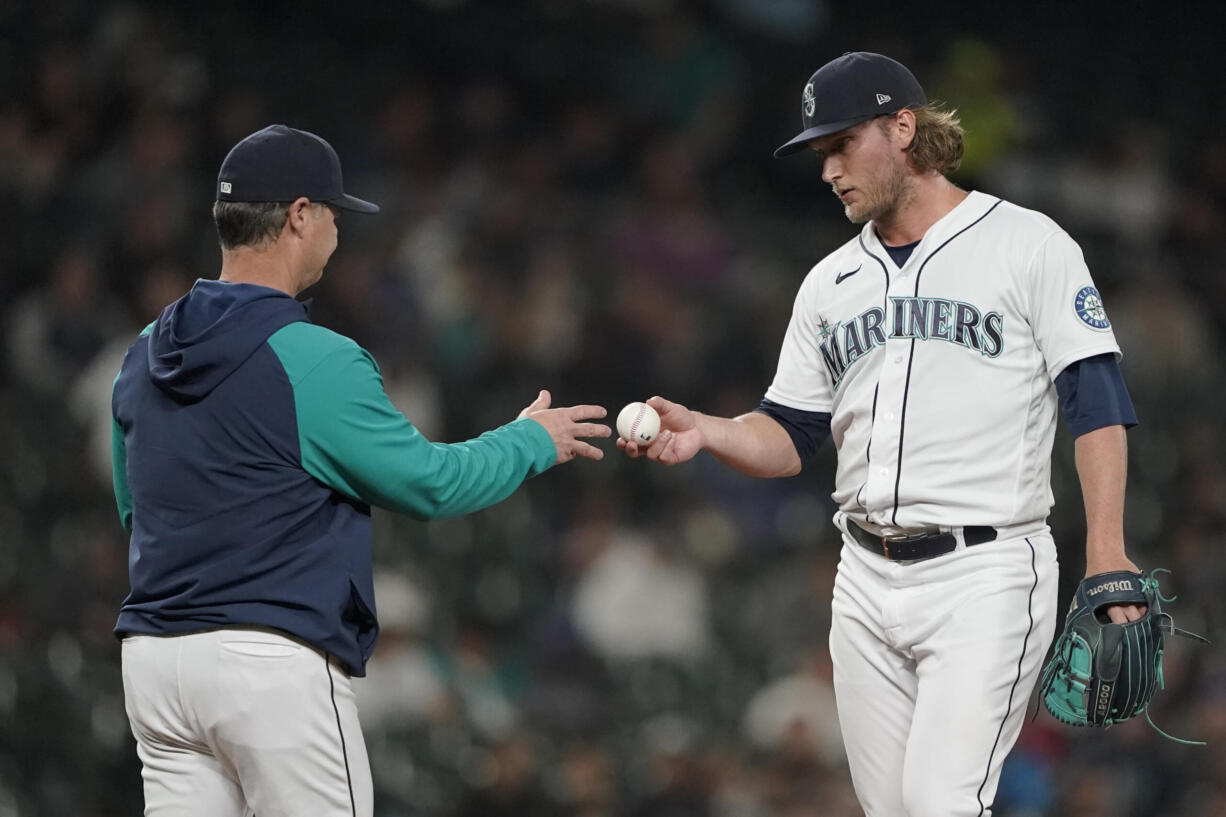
(680, 437)
(565, 427)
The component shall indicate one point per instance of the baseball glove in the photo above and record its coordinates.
(1102, 673)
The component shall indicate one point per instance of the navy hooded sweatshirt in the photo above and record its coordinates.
(248, 446)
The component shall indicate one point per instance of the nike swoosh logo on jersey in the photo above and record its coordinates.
(839, 278)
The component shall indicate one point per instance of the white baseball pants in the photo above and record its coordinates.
(235, 722)
(934, 664)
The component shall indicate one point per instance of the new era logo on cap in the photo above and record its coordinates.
(882, 99)
(225, 187)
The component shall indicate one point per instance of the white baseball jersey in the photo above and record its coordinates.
(939, 375)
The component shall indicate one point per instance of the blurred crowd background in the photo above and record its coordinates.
(579, 195)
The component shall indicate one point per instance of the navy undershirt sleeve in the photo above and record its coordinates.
(808, 429)
(1093, 395)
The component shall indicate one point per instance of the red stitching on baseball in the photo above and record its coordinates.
(638, 418)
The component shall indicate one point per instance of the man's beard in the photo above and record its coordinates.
(882, 200)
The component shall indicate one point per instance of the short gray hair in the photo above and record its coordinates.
(249, 223)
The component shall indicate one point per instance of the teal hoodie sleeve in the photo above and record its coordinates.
(355, 441)
(119, 475)
(119, 463)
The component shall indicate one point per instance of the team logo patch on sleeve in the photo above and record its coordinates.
(1089, 307)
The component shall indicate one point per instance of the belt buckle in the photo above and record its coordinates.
(900, 537)
(886, 540)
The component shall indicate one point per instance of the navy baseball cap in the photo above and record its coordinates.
(846, 91)
(281, 164)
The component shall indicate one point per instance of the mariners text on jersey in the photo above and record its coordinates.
(909, 318)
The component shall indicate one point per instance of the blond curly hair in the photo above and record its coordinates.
(938, 140)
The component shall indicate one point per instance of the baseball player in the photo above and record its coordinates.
(935, 348)
(249, 445)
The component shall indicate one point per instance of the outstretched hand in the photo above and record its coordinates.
(565, 426)
(679, 439)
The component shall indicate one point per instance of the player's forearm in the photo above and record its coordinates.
(472, 475)
(352, 439)
(386, 462)
(753, 444)
(1102, 466)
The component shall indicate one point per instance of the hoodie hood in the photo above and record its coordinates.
(200, 339)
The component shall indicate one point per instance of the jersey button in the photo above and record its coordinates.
(898, 359)
(884, 472)
(890, 416)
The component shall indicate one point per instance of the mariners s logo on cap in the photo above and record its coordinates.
(1088, 305)
(808, 100)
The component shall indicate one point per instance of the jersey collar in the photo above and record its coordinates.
(965, 213)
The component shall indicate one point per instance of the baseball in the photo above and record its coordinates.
(638, 422)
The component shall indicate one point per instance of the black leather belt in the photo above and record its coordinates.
(920, 545)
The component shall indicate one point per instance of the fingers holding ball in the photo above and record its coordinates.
(638, 423)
